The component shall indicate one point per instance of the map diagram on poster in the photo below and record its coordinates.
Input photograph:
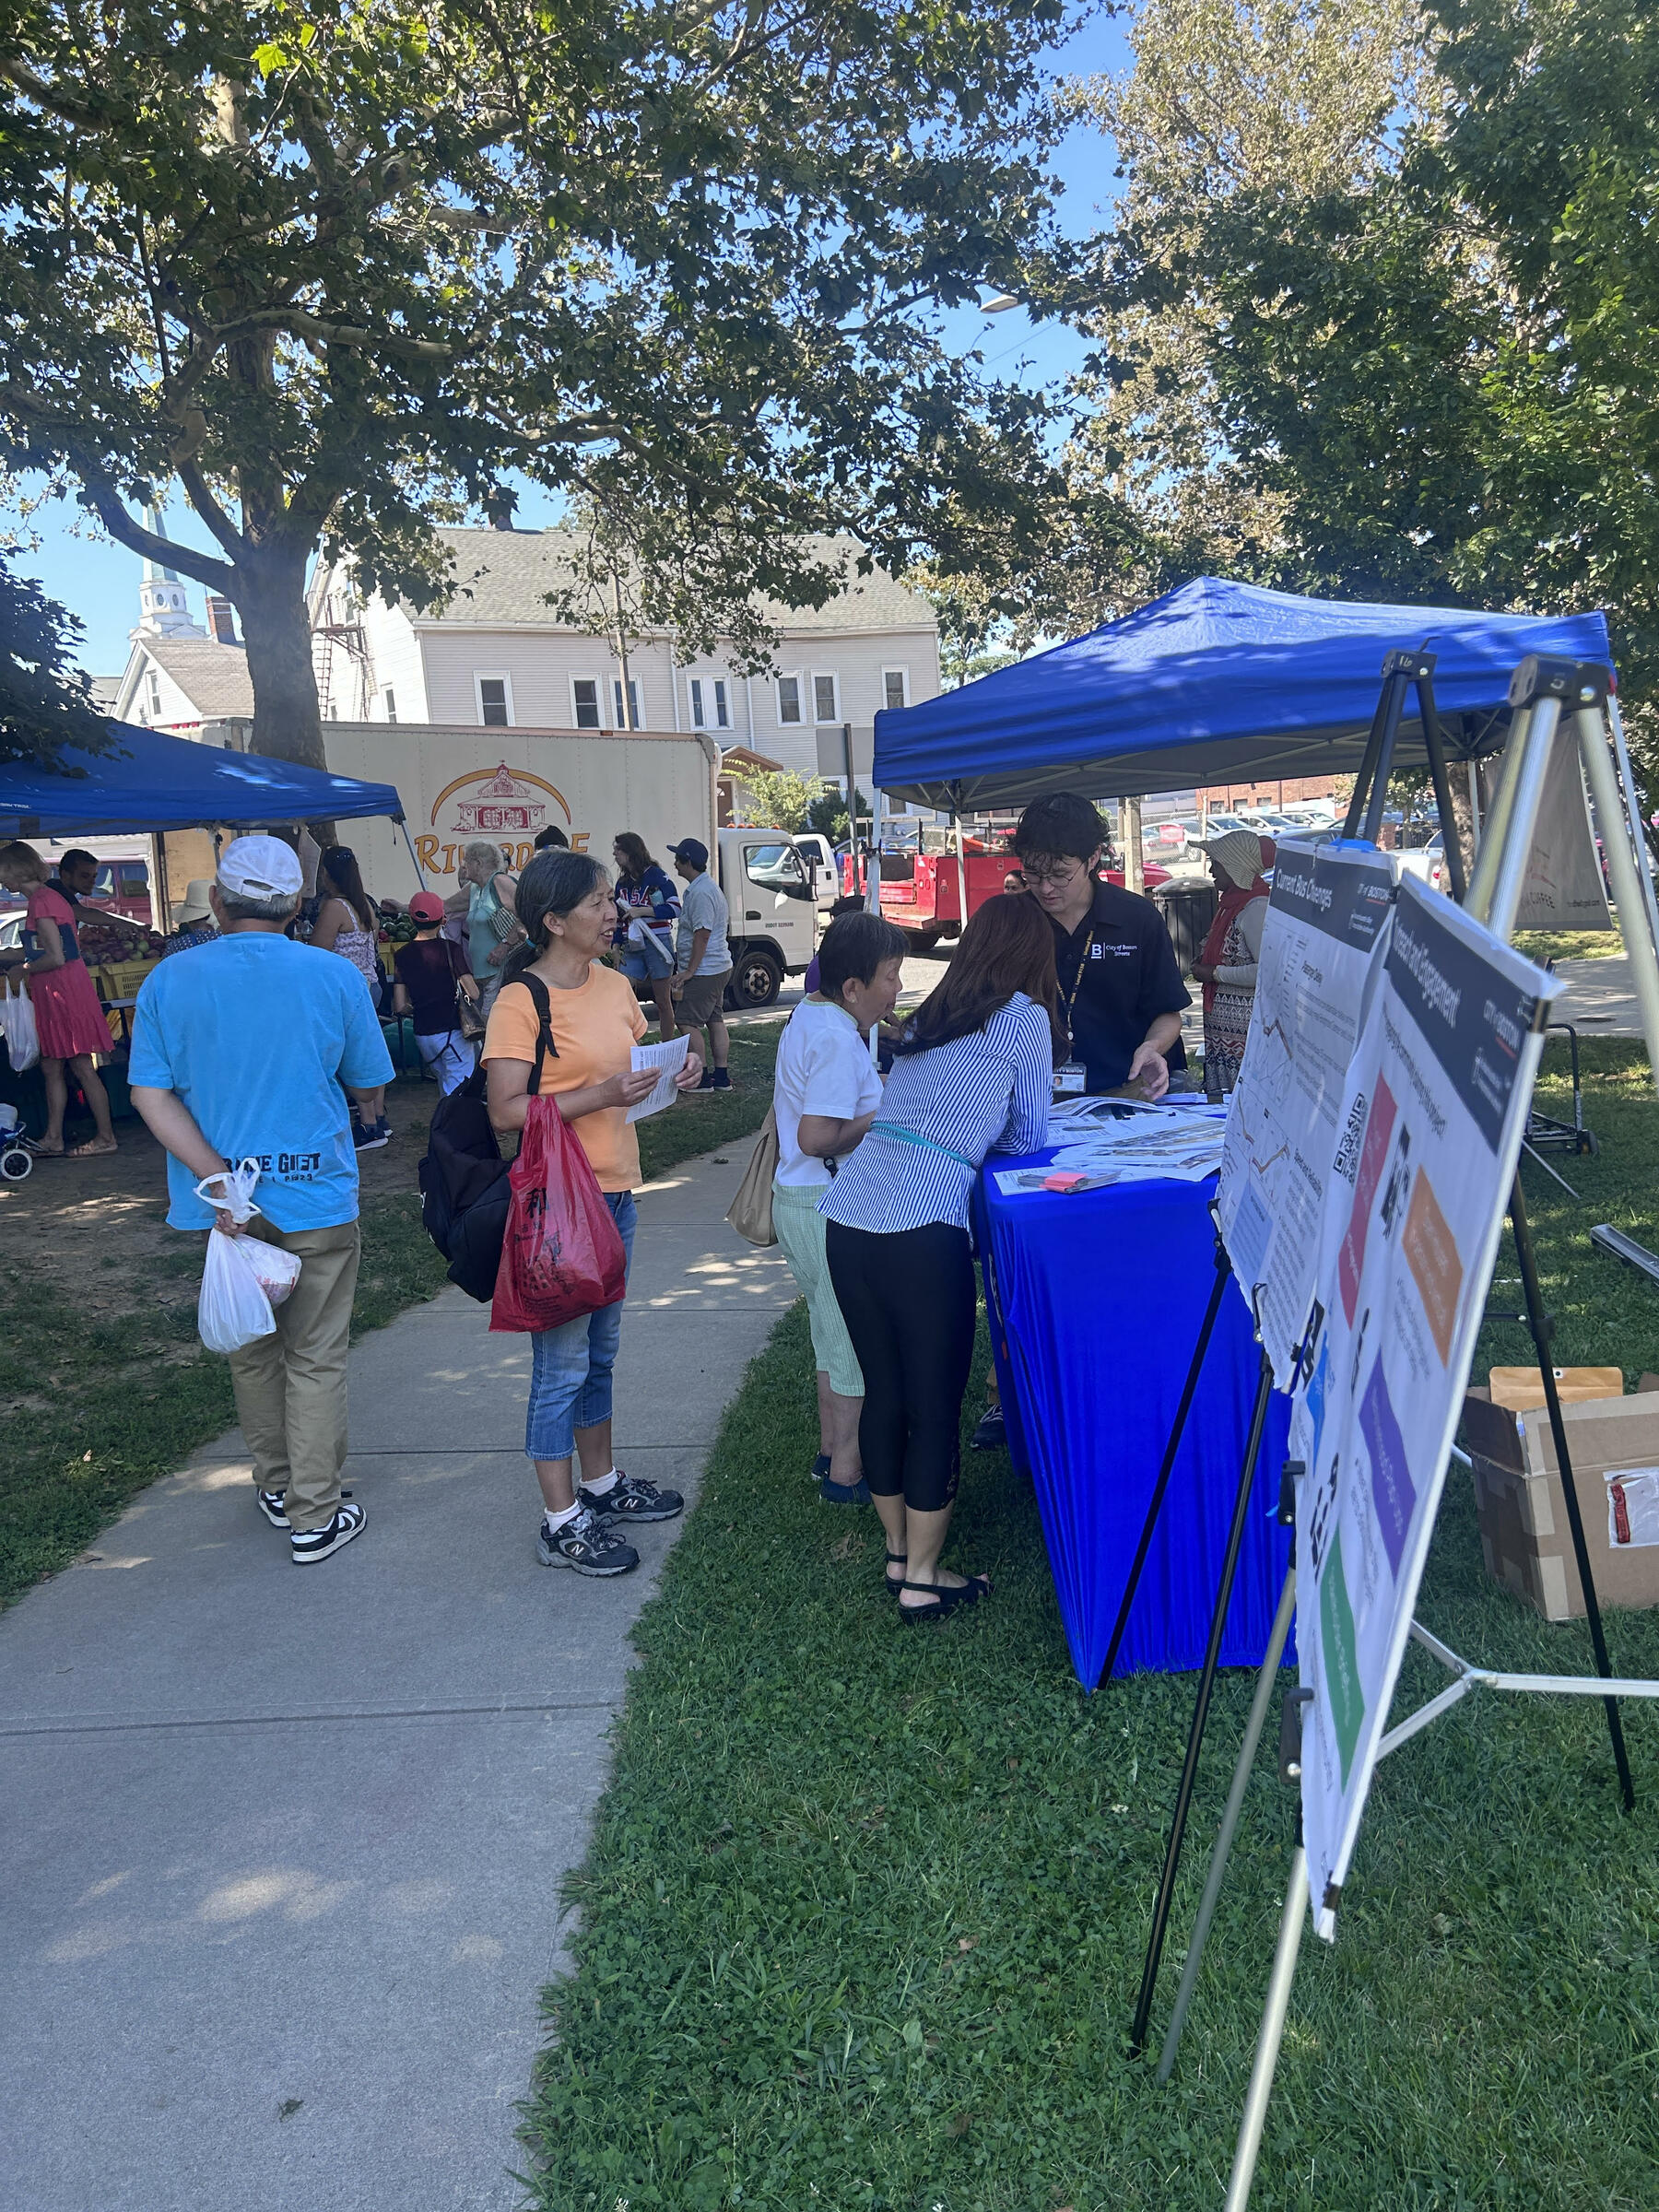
(1429, 1133)
(1327, 917)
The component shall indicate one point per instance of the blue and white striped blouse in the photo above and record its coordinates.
(980, 1093)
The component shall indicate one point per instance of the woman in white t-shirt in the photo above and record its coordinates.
(827, 1095)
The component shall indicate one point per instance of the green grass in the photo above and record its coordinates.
(1568, 944)
(864, 1912)
(95, 1408)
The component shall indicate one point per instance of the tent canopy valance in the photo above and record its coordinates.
(1213, 683)
(154, 781)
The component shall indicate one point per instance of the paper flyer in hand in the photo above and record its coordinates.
(1430, 1130)
(667, 1060)
(1327, 918)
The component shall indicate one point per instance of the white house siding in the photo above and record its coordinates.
(394, 658)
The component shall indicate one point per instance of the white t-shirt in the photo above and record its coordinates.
(824, 1067)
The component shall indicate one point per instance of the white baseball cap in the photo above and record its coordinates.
(260, 867)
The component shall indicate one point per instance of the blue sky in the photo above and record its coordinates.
(98, 581)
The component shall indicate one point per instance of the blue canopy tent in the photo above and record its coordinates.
(152, 782)
(1215, 682)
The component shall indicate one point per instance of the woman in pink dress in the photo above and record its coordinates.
(67, 1015)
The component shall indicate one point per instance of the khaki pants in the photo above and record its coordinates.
(290, 1388)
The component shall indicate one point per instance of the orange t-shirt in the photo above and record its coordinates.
(595, 1028)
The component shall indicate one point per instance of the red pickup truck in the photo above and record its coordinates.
(920, 893)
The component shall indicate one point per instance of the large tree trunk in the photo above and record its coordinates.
(288, 723)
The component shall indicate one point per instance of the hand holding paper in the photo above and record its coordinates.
(667, 1061)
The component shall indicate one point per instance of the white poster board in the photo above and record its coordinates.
(1431, 1127)
(1563, 886)
(1328, 914)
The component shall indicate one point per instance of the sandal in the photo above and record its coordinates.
(95, 1148)
(895, 1559)
(950, 1599)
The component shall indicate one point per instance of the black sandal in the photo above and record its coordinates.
(895, 1559)
(950, 1599)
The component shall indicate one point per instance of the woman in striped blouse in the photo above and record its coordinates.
(974, 1074)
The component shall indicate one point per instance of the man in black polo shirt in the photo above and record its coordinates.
(1120, 991)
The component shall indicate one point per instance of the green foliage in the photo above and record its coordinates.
(828, 812)
(1429, 354)
(781, 800)
(339, 272)
(46, 702)
(866, 1905)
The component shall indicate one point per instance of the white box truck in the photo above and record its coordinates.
(459, 784)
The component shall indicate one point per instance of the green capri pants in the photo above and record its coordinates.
(800, 1229)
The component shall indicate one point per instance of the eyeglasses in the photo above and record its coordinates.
(1059, 871)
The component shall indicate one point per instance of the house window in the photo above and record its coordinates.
(710, 703)
(154, 692)
(789, 699)
(825, 705)
(895, 687)
(584, 701)
(391, 698)
(495, 700)
(632, 719)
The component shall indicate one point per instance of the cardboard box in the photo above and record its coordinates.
(1523, 1510)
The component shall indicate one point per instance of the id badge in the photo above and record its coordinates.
(1072, 1077)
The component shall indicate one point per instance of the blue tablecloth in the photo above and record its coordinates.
(1100, 1298)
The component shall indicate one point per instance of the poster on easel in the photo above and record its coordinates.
(1430, 1133)
(1326, 920)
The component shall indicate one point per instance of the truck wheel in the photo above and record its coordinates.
(756, 979)
(925, 940)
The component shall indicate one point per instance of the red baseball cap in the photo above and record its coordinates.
(426, 906)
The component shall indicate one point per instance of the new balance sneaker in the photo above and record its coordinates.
(992, 1434)
(585, 1544)
(383, 1128)
(311, 1544)
(844, 1493)
(629, 1499)
(367, 1140)
(273, 1504)
(723, 1080)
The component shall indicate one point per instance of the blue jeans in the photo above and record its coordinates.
(570, 1368)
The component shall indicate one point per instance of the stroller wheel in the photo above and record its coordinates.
(16, 1163)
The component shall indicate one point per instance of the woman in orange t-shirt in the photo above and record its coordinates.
(565, 904)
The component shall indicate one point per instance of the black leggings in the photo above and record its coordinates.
(909, 1304)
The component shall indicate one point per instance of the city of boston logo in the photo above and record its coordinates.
(507, 806)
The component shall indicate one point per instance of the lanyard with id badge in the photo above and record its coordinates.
(1071, 1079)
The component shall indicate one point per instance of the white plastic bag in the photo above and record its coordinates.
(244, 1277)
(17, 1027)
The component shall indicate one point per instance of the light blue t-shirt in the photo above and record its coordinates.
(256, 1035)
(703, 906)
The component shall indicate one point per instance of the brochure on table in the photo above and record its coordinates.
(1429, 1133)
(1326, 919)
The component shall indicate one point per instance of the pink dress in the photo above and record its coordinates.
(66, 1011)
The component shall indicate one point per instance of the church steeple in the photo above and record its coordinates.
(163, 609)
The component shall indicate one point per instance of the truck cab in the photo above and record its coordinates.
(773, 925)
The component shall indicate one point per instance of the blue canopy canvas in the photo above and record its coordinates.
(1215, 682)
(153, 782)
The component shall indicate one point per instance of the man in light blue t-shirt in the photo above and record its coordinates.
(705, 958)
(240, 1054)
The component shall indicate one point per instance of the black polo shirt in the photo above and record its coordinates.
(1122, 967)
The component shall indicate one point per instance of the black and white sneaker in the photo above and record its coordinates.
(309, 1544)
(273, 1504)
(371, 1139)
(992, 1434)
(629, 1499)
(582, 1543)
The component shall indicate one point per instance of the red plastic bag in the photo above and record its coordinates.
(562, 1251)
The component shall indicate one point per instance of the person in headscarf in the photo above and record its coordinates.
(1227, 966)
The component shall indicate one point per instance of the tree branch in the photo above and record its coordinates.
(36, 88)
(299, 323)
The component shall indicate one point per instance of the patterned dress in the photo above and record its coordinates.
(1227, 1017)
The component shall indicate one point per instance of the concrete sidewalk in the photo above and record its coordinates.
(283, 1850)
